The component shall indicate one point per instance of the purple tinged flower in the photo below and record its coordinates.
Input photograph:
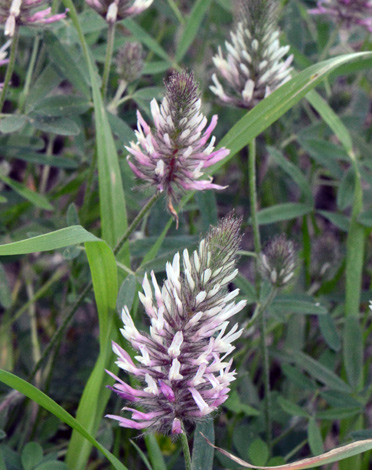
(22, 12)
(116, 10)
(172, 155)
(346, 12)
(255, 64)
(181, 363)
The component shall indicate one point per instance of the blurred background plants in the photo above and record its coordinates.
(67, 199)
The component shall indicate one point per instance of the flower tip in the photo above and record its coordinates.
(177, 427)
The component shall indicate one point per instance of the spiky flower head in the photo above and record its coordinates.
(254, 66)
(278, 261)
(181, 364)
(346, 12)
(172, 155)
(25, 12)
(129, 61)
(116, 10)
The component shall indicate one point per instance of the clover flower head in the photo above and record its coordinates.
(278, 261)
(24, 12)
(346, 12)
(116, 10)
(255, 65)
(171, 155)
(129, 61)
(181, 364)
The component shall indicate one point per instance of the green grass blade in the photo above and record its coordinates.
(73, 235)
(112, 199)
(192, 27)
(95, 396)
(50, 405)
(279, 102)
(36, 199)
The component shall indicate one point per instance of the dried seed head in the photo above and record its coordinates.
(129, 61)
(278, 261)
(254, 67)
(181, 363)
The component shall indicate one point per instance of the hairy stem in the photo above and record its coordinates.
(186, 449)
(10, 68)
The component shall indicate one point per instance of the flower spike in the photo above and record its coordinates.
(171, 156)
(181, 365)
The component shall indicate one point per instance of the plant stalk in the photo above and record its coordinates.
(10, 68)
(186, 449)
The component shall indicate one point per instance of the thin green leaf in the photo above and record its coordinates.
(281, 212)
(11, 124)
(329, 332)
(314, 437)
(95, 396)
(202, 453)
(62, 105)
(50, 405)
(112, 200)
(290, 304)
(353, 350)
(155, 454)
(332, 456)
(191, 28)
(36, 199)
(291, 408)
(55, 125)
(68, 236)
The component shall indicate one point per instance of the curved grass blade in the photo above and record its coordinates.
(112, 199)
(334, 455)
(95, 396)
(50, 405)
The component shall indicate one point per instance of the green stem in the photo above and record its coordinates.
(10, 68)
(186, 449)
(136, 221)
(266, 377)
(253, 197)
(108, 60)
(58, 334)
(30, 71)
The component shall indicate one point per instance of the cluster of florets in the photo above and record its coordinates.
(129, 61)
(22, 12)
(346, 13)
(181, 363)
(172, 155)
(278, 261)
(254, 66)
(116, 10)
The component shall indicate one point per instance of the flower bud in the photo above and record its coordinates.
(129, 61)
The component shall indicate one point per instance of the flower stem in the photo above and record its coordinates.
(10, 68)
(186, 449)
(30, 71)
(109, 50)
(257, 249)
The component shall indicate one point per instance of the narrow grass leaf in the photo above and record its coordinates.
(353, 350)
(202, 453)
(104, 276)
(142, 36)
(154, 452)
(279, 102)
(292, 409)
(68, 236)
(141, 454)
(332, 456)
(318, 371)
(191, 27)
(50, 405)
(36, 199)
(314, 437)
(112, 199)
(345, 193)
(281, 212)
